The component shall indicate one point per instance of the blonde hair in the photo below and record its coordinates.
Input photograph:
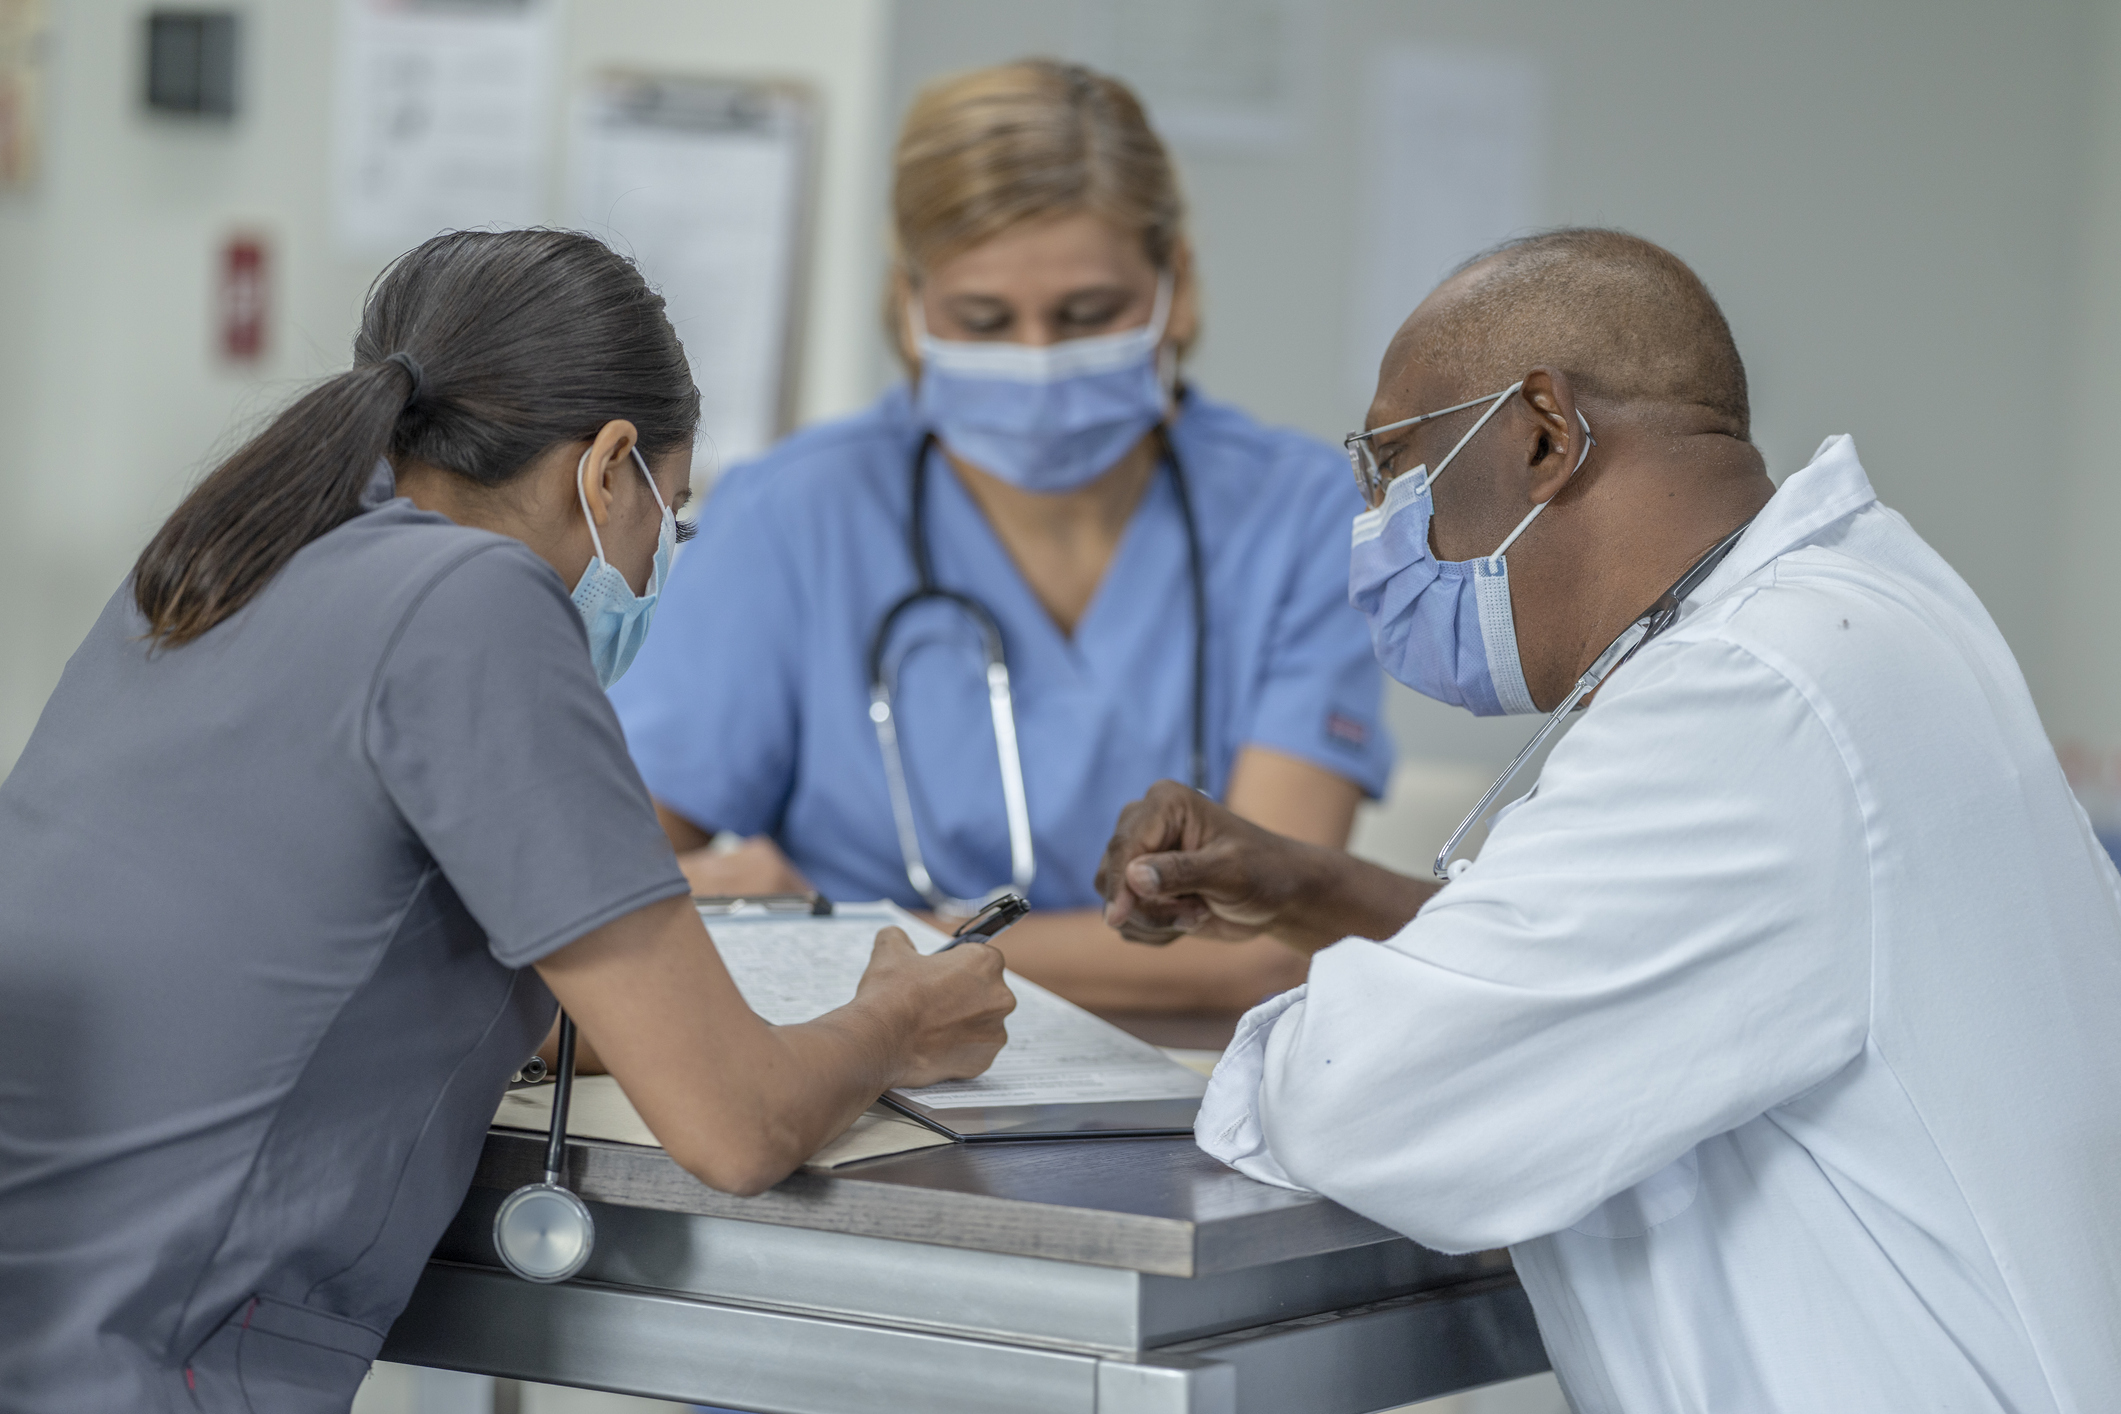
(985, 150)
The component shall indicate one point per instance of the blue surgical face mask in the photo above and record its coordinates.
(616, 617)
(1049, 418)
(1442, 627)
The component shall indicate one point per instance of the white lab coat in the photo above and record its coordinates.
(1777, 1033)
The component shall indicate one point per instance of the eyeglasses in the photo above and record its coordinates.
(1370, 478)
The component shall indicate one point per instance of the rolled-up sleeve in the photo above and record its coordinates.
(488, 731)
(1669, 938)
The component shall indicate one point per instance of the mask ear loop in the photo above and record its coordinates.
(1493, 408)
(1166, 354)
(657, 491)
(581, 494)
(914, 317)
(1511, 539)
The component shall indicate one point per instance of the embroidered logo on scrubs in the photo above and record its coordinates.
(1344, 728)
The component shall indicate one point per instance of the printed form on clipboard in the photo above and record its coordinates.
(1063, 1074)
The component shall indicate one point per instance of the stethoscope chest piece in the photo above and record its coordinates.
(543, 1232)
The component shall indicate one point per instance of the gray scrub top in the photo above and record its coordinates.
(267, 902)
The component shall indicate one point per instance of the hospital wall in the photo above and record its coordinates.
(1907, 209)
(1885, 197)
(112, 399)
(2079, 685)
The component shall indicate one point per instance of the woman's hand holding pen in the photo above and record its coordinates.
(950, 1006)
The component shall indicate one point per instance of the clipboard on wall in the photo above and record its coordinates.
(707, 182)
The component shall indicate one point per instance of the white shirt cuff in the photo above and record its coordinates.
(1227, 1127)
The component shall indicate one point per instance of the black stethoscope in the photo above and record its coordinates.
(1023, 862)
(543, 1231)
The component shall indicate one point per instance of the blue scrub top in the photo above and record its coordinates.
(748, 708)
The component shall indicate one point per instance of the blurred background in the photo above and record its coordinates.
(1910, 210)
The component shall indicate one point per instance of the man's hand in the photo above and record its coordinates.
(1180, 863)
(950, 1004)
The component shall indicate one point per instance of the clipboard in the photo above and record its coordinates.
(1094, 1119)
(1065, 1074)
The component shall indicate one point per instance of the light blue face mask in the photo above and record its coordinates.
(1442, 627)
(1050, 418)
(616, 617)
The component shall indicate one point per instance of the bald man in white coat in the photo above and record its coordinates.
(1777, 1031)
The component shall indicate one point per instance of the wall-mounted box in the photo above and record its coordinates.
(191, 62)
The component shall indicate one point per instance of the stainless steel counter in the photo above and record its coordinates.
(1112, 1276)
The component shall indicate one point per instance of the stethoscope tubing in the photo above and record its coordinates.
(544, 1232)
(1653, 621)
(1023, 859)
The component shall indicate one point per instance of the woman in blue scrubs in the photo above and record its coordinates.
(1042, 296)
(325, 812)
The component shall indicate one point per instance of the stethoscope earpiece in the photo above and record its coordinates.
(543, 1231)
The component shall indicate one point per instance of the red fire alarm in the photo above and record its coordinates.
(245, 268)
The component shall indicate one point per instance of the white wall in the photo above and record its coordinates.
(2081, 690)
(1903, 204)
(110, 400)
(1882, 195)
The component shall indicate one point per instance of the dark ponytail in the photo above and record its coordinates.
(477, 352)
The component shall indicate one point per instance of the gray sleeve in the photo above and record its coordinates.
(487, 728)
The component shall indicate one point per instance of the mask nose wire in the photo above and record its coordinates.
(1511, 539)
(653, 489)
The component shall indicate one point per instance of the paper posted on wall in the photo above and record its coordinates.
(443, 119)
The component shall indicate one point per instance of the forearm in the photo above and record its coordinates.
(1334, 895)
(734, 1100)
(1075, 954)
(811, 1081)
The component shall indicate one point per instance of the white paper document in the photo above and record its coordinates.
(794, 969)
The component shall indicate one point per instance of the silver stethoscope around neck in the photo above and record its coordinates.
(883, 675)
(1650, 622)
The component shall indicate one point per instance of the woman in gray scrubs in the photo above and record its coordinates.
(327, 809)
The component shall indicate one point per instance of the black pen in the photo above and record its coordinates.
(982, 926)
